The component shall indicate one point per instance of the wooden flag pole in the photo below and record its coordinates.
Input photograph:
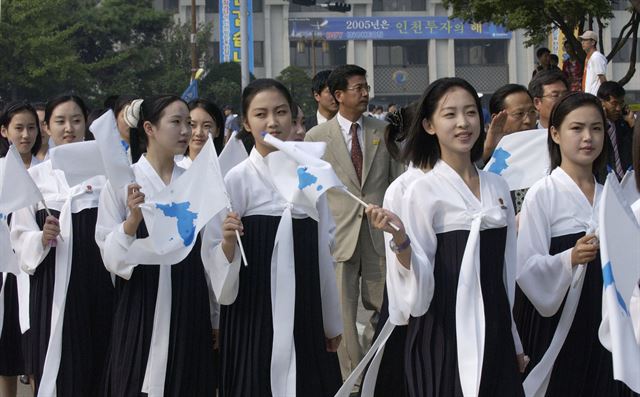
(365, 205)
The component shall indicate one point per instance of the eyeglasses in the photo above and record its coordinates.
(360, 88)
(520, 115)
(555, 95)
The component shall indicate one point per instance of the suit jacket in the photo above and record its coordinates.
(310, 121)
(378, 171)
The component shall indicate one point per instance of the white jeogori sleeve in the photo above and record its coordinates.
(411, 290)
(26, 239)
(113, 242)
(331, 313)
(544, 278)
(224, 275)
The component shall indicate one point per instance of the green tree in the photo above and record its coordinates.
(538, 17)
(299, 84)
(37, 46)
(222, 84)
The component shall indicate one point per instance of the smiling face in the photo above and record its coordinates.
(171, 134)
(202, 128)
(268, 112)
(580, 136)
(455, 122)
(67, 123)
(21, 131)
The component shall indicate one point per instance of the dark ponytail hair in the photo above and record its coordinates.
(565, 105)
(423, 149)
(400, 122)
(10, 110)
(217, 116)
(151, 110)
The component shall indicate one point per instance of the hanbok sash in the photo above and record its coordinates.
(536, 383)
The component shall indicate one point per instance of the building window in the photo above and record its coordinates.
(171, 5)
(328, 54)
(399, 5)
(258, 54)
(215, 52)
(400, 53)
(481, 52)
(301, 8)
(625, 52)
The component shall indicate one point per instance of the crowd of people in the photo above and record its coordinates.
(474, 276)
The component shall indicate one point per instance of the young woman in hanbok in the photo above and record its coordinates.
(71, 294)
(455, 263)
(265, 349)
(207, 122)
(161, 333)
(19, 126)
(559, 272)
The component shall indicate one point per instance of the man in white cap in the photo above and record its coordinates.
(595, 65)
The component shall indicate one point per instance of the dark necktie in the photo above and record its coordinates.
(356, 151)
(616, 155)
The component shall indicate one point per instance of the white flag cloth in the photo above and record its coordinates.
(521, 158)
(620, 255)
(232, 154)
(17, 190)
(175, 216)
(79, 161)
(115, 159)
(629, 189)
(302, 176)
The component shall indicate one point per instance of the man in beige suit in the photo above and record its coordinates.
(356, 150)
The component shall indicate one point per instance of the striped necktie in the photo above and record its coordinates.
(614, 143)
(356, 151)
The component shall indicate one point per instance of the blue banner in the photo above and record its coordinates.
(393, 28)
(230, 40)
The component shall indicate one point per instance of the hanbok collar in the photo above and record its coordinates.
(470, 320)
(579, 197)
(151, 175)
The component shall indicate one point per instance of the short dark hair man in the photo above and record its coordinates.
(327, 106)
(543, 55)
(356, 150)
(545, 89)
(620, 128)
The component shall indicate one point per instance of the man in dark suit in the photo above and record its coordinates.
(327, 105)
(619, 132)
(356, 150)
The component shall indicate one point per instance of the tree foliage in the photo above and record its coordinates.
(299, 84)
(93, 48)
(538, 17)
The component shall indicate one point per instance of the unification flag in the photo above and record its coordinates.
(117, 167)
(629, 188)
(232, 154)
(521, 158)
(191, 92)
(17, 190)
(79, 161)
(175, 215)
(620, 255)
(300, 173)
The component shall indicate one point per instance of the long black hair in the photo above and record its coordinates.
(423, 149)
(150, 109)
(565, 105)
(10, 110)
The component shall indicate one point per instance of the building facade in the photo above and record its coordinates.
(399, 69)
